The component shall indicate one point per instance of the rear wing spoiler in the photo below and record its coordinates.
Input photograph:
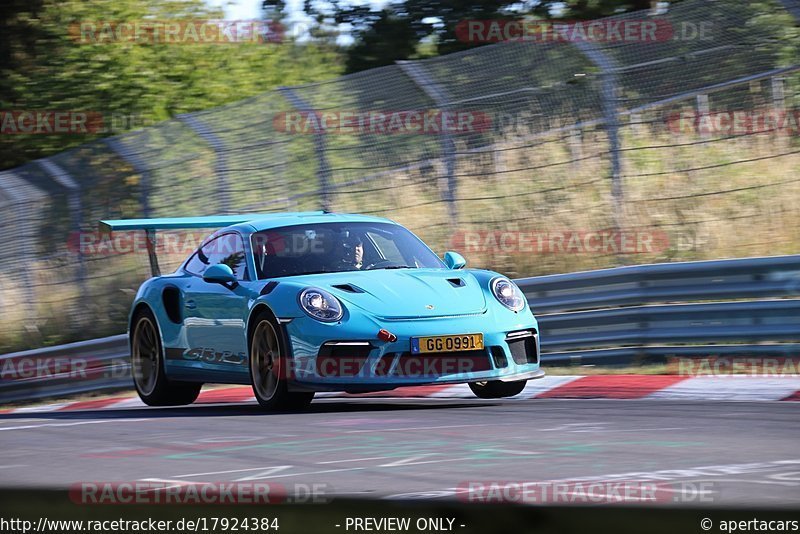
(171, 223)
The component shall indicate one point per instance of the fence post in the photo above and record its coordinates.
(21, 193)
(436, 93)
(138, 164)
(575, 143)
(703, 110)
(636, 122)
(779, 107)
(323, 169)
(220, 161)
(63, 178)
(611, 117)
(778, 93)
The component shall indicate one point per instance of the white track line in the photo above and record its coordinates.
(736, 387)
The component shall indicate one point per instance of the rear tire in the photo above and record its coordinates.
(495, 389)
(147, 367)
(269, 367)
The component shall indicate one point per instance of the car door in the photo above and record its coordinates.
(215, 313)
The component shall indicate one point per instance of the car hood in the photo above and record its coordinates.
(407, 293)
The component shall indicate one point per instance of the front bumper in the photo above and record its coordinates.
(348, 356)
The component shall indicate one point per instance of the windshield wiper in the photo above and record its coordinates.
(397, 267)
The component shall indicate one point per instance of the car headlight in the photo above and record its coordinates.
(321, 305)
(508, 294)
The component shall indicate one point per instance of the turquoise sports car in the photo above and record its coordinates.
(296, 303)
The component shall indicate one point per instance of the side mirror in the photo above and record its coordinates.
(220, 274)
(454, 260)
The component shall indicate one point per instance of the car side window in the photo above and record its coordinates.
(387, 247)
(227, 249)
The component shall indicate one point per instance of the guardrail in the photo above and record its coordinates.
(747, 278)
(82, 367)
(609, 316)
(606, 317)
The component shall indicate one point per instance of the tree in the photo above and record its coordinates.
(589, 9)
(44, 67)
(402, 29)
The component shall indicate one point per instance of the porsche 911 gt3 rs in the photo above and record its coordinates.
(296, 303)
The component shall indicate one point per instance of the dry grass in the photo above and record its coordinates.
(726, 207)
(707, 198)
(582, 370)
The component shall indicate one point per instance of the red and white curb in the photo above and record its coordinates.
(674, 387)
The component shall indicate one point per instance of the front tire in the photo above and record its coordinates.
(269, 368)
(147, 367)
(495, 389)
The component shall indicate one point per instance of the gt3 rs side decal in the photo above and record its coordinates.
(207, 355)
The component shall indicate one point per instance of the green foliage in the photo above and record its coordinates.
(590, 9)
(408, 29)
(43, 67)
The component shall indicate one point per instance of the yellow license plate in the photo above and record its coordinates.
(460, 342)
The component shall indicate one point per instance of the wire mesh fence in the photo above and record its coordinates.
(530, 156)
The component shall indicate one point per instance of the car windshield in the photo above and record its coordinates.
(338, 247)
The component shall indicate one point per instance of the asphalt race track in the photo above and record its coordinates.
(724, 453)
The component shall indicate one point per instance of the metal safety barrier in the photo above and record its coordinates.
(65, 370)
(746, 278)
(647, 313)
(619, 316)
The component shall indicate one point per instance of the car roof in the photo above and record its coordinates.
(304, 217)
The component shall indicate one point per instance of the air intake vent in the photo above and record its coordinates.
(499, 357)
(350, 288)
(267, 289)
(523, 346)
(171, 297)
(457, 282)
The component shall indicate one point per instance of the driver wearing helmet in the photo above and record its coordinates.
(353, 252)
